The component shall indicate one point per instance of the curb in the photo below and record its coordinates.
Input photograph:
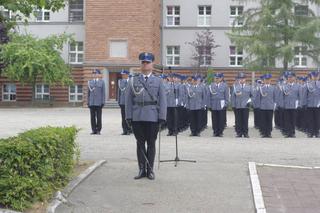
(60, 196)
(256, 189)
(8, 211)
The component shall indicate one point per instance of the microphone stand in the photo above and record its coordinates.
(176, 159)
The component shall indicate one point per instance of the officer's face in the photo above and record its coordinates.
(146, 66)
(95, 75)
(125, 76)
(242, 80)
(291, 79)
(218, 80)
(267, 81)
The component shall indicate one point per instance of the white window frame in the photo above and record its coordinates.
(77, 52)
(9, 93)
(42, 93)
(76, 93)
(43, 11)
(173, 55)
(173, 15)
(206, 18)
(123, 41)
(2, 9)
(233, 17)
(300, 57)
(237, 56)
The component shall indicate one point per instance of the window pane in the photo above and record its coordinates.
(72, 89)
(13, 88)
(240, 59)
(46, 88)
(176, 60)
(80, 57)
(169, 10)
(79, 97)
(169, 60)
(177, 10)
(297, 50)
(170, 21)
(169, 50)
(5, 88)
(5, 97)
(46, 16)
(177, 21)
(208, 11)
(72, 97)
(240, 10)
(208, 21)
(72, 57)
(201, 20)
(177, 50)
(73, 47)
(240, 51)
(12, 97)
(39, 89)
(233, 11)
(296, 61)
(45, 97)
(38, 15)
(232, 60)
(38, 96)
(79, 88)
(80, 46)
(201, 10)
(304, 61)
(232, 50)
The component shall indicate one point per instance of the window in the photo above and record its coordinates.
(236, 56)
(9, 92)
(235, 13)
(76, 11)
(42, 15)
(204, 16)
(300, 59)
(5, 12)
(42, 92)
(76, 53)
(118, 49)
(205, 55)
(301, 10)
(75, 93)
(173, 15)
(173, 55)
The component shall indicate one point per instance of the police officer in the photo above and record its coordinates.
(146, 108)
(256, 103)
(95, 100)
(218, 100)
(267, 97)
(195, 105)
(291, 103)
(241, 98)
(313, 105)
(122, 87)
(172, 104)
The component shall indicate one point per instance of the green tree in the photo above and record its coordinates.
(277, 30)
(30, 59)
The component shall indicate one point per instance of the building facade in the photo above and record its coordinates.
(110, 35)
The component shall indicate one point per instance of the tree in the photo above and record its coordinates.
(203, 49)
(278, 30)
(29, 59)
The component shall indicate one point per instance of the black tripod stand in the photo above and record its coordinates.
(177, 159)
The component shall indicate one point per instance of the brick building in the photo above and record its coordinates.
(110, 34)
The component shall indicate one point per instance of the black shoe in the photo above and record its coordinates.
(238, 136)
(151, 175)
(220, 135)
(246, 135)
(142, 174)
(98, 133)
(169, 134)
(197, 134)
(125, 133)
(93, 133)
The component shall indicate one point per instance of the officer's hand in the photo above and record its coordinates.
(129, 122)
(161, 121)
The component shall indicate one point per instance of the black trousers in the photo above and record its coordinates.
(266, 117)
(171, 119)
(145, 132)
(313, 121)
(289, 117)
(96, 121)
(242, 118)
(256, 118)
(195, 121)
(125, 127)
(218, 121)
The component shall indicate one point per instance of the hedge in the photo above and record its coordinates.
(35, 164)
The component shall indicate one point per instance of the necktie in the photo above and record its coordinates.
(146, 78)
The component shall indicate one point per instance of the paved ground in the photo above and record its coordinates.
(290, 190)
(218, 182)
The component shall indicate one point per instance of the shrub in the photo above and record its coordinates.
(35, 164)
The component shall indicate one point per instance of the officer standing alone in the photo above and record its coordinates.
(146, 108)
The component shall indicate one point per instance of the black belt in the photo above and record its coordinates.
(145, 103)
